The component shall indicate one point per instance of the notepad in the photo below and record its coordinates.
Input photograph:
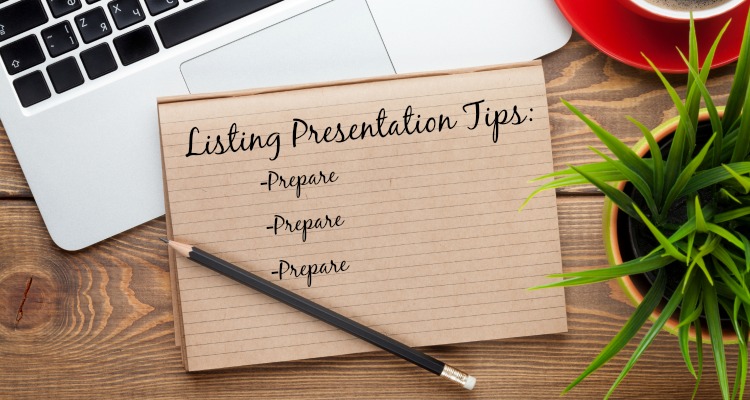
(393, 201)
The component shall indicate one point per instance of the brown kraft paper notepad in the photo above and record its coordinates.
(393, 201)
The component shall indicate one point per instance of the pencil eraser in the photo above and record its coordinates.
(470, 382)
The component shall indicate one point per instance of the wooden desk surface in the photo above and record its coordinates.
(98, 322)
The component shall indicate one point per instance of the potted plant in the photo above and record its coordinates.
(680, 213)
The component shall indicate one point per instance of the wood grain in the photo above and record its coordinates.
(12, 181)
(98, 323)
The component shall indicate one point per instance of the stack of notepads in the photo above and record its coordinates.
(392, 201)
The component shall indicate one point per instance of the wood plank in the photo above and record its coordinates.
(12, 181)
(601, 87)
(98, 323)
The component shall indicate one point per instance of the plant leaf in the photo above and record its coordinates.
(711, 309)
(684, 177)
(741, 375)
(699, 351)
(692, 102)
(700, 221)
(743, 181)
(677, 153)
(631, 327)
(603, 171)
(638, 182)
(712, 111)
(637, 266)
(690, 310)
(658, 162)
(691, 241)
(729, 236)
(725, 193)
(663, 241)
(740, 84)
(706, 178)
(742, 145)
(746, 245)
(621, 199)
(617, 147)
(666, 313)
(724, 257)
(737, 289)
(731, 215)
(702, 265)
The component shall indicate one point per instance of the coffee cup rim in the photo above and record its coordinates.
(685, 15)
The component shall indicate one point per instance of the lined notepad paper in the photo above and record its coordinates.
(416, 234)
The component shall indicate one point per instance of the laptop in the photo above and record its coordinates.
(80, 78)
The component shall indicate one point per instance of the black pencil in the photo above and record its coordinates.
(316, 310)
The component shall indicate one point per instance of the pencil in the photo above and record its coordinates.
(330, 317)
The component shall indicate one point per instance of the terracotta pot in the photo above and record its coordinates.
(634, 287)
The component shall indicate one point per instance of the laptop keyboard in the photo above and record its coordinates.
(142, 28)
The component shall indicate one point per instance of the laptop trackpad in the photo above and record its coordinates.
(337, 40)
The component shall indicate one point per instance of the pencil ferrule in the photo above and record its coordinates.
(455, 375)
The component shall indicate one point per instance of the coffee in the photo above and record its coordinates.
(687, 5)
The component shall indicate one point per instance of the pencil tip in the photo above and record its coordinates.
(164, 240)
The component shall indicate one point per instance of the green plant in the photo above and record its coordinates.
(709, 242)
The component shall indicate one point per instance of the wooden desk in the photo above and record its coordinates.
(98, 322)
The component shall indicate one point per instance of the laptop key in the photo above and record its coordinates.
(18, 18)
(65, 75)
(204, 17)
(59, 39)
(126, 13)
(63, 7)
(22, 54)
(98, 61)
(93, 25)
(136, 45)
(156, 7)
(32, 89)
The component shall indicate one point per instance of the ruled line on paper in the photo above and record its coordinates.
(389, 289)
(426, 224)
(467, 315)
(523, 290)
(431, 307)
(264, 301)
(382, 313)
(393, 335)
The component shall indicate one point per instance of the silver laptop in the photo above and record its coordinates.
(80, 78)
